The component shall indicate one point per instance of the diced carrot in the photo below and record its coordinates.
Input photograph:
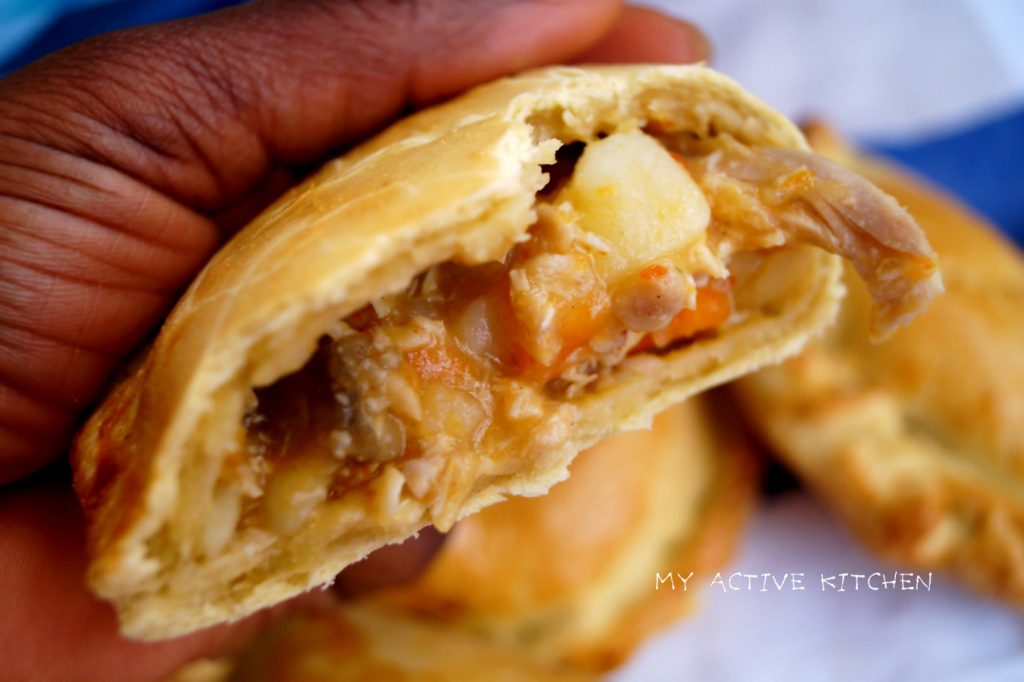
(575, 326)
(653, 271)
(577, 321)
(644, 344)
(713, 307)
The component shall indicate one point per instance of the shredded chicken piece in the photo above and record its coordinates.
(813, 199)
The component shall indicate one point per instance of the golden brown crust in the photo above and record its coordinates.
(725, 507)
(456, 182)
(918, 442)
(371, 644)
(570, 574)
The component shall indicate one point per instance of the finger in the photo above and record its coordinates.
(218, 96)
(117, 154)
(642, 35)
(51, 628)
(390, 565)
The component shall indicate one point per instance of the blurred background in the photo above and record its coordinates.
(937, 85)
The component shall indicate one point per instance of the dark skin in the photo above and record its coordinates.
(126, 160)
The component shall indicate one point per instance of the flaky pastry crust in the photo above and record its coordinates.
(455, 183)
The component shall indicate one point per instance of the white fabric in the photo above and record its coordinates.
(877, 68)
(942, 635)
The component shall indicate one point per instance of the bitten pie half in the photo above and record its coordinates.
(564, 580)
(570, 576)
(447, 314)
(918, 442)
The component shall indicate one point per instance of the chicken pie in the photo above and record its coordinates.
(447, 314)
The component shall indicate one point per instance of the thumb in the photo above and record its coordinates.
(120, 156)
(199, 107)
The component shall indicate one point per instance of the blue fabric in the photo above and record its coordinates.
(22, 20)
(983, 165)
(38, 27)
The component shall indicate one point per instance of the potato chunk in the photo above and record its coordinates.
(630, 192)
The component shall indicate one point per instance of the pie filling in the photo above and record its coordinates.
(630, 253)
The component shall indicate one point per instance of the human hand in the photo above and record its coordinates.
(127, 159)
